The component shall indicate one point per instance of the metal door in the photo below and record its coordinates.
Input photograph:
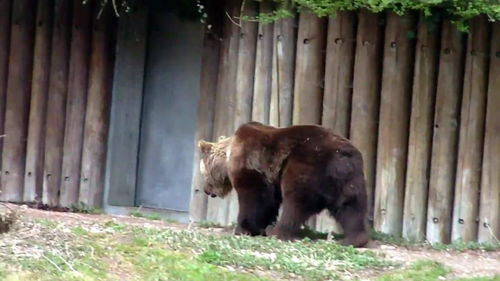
(168, 127)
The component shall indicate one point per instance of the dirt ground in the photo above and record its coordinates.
(464, 264)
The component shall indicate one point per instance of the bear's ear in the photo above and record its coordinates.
(205, 146)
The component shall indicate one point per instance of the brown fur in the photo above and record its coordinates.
(303, 168)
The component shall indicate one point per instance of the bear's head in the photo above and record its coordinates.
(213, 166)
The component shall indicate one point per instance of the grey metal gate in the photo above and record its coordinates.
(169, 112)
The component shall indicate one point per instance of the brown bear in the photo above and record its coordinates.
(304, 168)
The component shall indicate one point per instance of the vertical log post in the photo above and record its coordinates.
(366, 96)
(394, 123)
(338, 73)
(470, 146)
(338, 87)
(97, 114)
(444, 142)
(420, 140)
(33, 178)
(18, 99)
(489, 215)
(76, 100)
(56, 103)
(206, 105)
(263, 69)
(246, 66)
(5, 15)
(309, 73)
(285, 38)
(218, 209)
(309, 69)
(244, 83)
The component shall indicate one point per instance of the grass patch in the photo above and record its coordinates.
(152, 216)
(454, 246)
(83, 208)
(208, 224)
(492, 278)
(464, 246)
(318, 260)
(73, 258)
(153, 262)
(419, 271)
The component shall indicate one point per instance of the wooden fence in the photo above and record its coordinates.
(418, 99)
(55, 73)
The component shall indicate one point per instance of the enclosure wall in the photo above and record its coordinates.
(56, 59)
(417, 97)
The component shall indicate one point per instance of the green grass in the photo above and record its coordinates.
(463, 246)
(208, 224)
(454, 246)
(492, 278)
(419, 271)
(83, 208)
(153, 262)
(84, 255)
(108, 250)
(152, 216)
(427, 270)
(80, 259)
(318, 260)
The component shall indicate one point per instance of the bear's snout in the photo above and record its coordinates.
(210, 194)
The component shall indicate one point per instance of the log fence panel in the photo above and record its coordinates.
(218, 209)
(366, 96)
(489, 213)
(18, 99)
(470, 146)
(56, 102)
(263, 69)
(206, 108)
(282, 83)
(309, 69)
(97, 112)
(5, 18)
(445, 135)
(339, 64)
(245, 77)
(33, 178)
(76, 101)
(394, 124)
(420, 135)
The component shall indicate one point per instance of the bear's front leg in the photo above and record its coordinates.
(258, 208)
(249, 216)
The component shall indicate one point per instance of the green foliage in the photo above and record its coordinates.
(458, 11)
